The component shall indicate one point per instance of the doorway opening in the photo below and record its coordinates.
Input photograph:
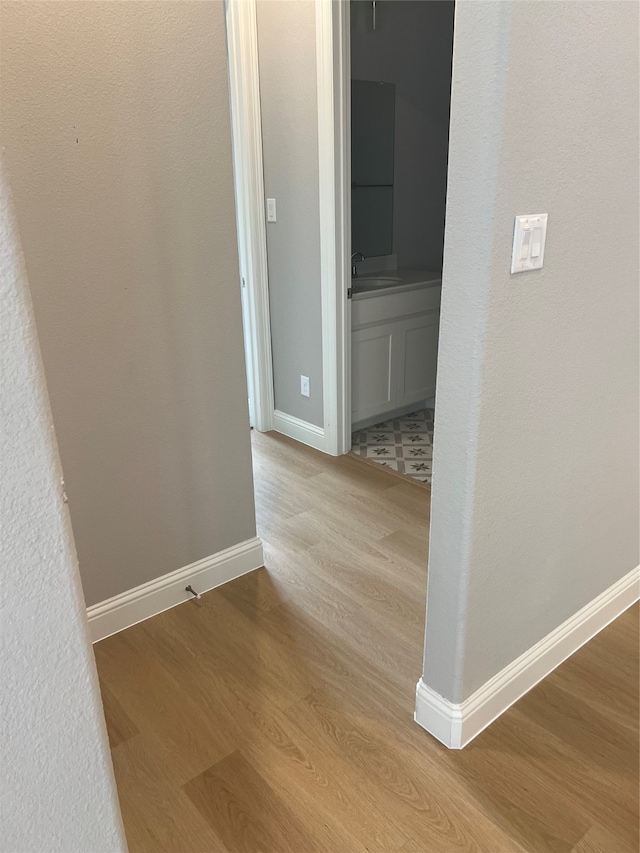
(400, 83)
(383, 76)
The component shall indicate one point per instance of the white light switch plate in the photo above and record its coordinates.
(529, 237)
(271, 210)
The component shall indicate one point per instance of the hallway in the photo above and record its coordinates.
(276, 713)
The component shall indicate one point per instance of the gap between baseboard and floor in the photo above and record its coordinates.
(300, 430)
(456, 725)
(133, 606)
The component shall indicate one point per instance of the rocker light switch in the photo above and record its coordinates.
(536, 243)
(529, 235)
(525, 241)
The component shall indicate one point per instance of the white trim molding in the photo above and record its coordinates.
(127, 609)
(246, 123)
(334, 168)
(299, 430)
(456, 725)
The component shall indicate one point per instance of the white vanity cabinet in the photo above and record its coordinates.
(374, 377)
(417, 359)
(394, 348)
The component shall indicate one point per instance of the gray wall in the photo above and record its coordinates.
(115, 123)
(411, 47)
(535, 490)
(287, 62)
(57, 791)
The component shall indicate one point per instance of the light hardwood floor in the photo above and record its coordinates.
(276, 714)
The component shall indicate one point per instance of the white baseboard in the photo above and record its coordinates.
(120, 612)
(456, 725)
(303, 431)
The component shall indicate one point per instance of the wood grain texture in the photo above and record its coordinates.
(120, 727)
(276, 713)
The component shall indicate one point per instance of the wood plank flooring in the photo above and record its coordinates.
(276, 713)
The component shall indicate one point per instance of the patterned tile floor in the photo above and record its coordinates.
(404, 444)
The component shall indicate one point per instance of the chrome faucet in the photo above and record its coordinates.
(355, 258)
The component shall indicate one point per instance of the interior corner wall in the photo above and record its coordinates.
(116, 131)
(411, 47)
(288, 96)
(535, 486)
(57, 791)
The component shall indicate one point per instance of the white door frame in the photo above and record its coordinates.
(246, 125)
(334, 155)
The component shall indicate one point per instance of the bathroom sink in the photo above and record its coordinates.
(379, 281)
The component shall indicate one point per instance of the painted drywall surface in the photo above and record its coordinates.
(287, 64)
(115, 124)
(411, 47)
(535, 491)
(57, 791)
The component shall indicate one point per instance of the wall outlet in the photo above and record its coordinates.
(304, 386)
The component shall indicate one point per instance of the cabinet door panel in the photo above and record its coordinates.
(418, 345)
(373, 385)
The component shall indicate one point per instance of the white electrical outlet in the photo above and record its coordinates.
(304, 386)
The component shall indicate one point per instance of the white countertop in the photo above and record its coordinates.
(409, 280)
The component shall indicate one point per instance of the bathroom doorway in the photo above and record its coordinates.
(382, 149)
(392, 64)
